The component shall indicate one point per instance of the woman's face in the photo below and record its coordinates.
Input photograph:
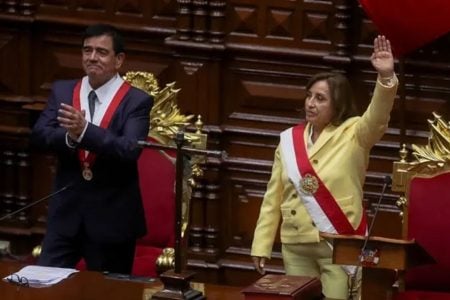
(318, 106)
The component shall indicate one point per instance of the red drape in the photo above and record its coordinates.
(409, 24)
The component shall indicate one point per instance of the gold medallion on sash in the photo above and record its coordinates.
(309, 184)
(87, 172)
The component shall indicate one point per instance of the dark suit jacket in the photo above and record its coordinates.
(109, 207)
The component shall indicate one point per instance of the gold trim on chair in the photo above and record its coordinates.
(430, 159)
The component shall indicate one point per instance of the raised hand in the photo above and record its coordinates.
(382, 58)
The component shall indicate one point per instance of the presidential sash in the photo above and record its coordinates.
(319, 202)
(87, 158)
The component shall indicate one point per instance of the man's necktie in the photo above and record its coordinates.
(92, 97)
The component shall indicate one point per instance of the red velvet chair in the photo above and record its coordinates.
(429, 224)
(157, 182)
(426, 213)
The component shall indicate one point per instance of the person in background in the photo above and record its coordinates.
(318, 175)
(92, 125)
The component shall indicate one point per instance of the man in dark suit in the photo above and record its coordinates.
(93, 126)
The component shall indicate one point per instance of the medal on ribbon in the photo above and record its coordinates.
(309, 184)
(87, 172)
(85, 157)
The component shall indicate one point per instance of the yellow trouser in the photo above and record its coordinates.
(315, 260)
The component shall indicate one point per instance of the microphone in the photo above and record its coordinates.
(370, 256)
(37, 201)
(387, 181)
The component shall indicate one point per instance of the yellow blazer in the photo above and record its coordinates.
(340, 157)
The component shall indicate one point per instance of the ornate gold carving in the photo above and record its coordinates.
(429, 159)
(438, 149)
(166, 260)
(144, 81)
(400, 172)
(403, 153)
(165, 118)
(401, 202)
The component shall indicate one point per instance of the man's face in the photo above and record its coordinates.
(99, 60)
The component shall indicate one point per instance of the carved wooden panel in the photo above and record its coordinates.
(13, 62)
(257, 94)
(59, 58)
(290, 24)
(157, 14)
(247, 194)
(8, 43)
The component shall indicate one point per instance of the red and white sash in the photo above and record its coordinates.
(320, 204)
(87, 158)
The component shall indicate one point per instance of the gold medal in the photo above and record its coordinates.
(87, 172)
(309, 184)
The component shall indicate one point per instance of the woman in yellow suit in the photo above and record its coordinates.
(318, 174)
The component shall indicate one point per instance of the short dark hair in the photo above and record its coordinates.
(341, 95)
(106, 29)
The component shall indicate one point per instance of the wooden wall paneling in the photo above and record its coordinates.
(265, 93)
(43, 172)
(363, 33)
(23, 187)
(134, 15)
(342, 33)
(184, 20)
(57, 56)
(15, 189)
(213, 214)
(7, 183)
(217, 13)
(27, 7)
(15, 36)
(246, 194)
(198, 79)
(196, 239)
(11, 6)
(149, 53)
(197, 69)
(200, 17)
(14, 123)
(205, 230)
(281, 26)
(21, 8)
(14, 59)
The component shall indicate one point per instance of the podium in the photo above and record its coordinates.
(387, 260)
